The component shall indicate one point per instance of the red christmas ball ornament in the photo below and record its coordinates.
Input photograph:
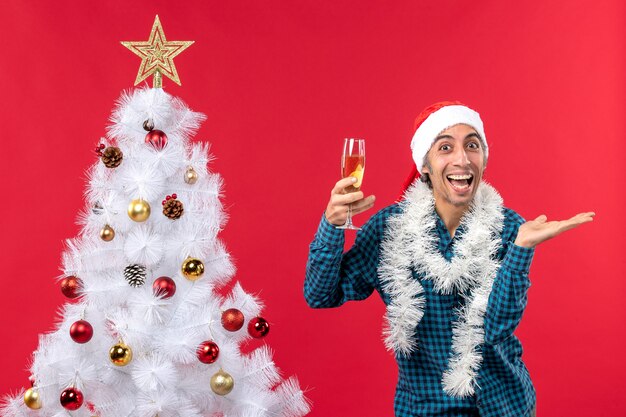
(164, 287)
(208, 352)
(81, 331)
(232, 319)
(71, 399)
(258, 327)
(156, 138)
(99, 149)
(71, 286)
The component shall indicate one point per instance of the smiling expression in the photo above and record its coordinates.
(455, 165)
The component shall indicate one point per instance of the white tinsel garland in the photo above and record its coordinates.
(410, 244)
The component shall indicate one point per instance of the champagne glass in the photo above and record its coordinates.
(352, 165)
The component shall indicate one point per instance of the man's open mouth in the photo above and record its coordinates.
(460, 182)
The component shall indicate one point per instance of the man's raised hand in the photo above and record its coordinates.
(534, 232)
(341, 201)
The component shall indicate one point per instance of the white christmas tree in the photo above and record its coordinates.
(146, 333)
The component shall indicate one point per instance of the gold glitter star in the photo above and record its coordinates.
(157, 55)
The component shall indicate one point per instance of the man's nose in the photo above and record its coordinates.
(460, 156)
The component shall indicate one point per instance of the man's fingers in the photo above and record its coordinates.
(586, 216)
(336, 213)
(539, 230)
(343, 199)
(363, 205)
(581, 218)
(341, 184)
(577, 220)
(340, 201)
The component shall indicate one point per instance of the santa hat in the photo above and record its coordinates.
(433, 120)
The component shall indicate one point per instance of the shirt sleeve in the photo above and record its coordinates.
(508, 297)
(332, 277)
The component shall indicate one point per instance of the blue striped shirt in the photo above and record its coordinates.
(504, 387)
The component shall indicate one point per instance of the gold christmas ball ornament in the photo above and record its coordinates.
(192, 269)
(32, 399)
(107, 233)
(191, 176)
(139, 210)
(120, 354)
(222, 383)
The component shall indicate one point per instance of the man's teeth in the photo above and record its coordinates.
(460, 182)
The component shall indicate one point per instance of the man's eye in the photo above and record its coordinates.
(444, 148)
(473, 145)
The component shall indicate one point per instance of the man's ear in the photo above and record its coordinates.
(426, 165)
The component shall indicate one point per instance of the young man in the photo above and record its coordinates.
(451, 265)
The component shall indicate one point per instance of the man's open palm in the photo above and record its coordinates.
(534, 232)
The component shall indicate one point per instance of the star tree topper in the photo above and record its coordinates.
(157, 55)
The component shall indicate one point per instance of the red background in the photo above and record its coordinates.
(282, 83)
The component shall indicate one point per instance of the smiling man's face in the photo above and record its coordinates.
(455, 165)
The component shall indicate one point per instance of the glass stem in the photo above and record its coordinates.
(349, 219)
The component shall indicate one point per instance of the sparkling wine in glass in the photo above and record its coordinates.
(353, 165)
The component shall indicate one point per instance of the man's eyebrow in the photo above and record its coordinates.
(443, 137)
(469, 135)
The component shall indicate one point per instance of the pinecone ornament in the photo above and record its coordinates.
(112, 157)
(135, 275)
(172, 208)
